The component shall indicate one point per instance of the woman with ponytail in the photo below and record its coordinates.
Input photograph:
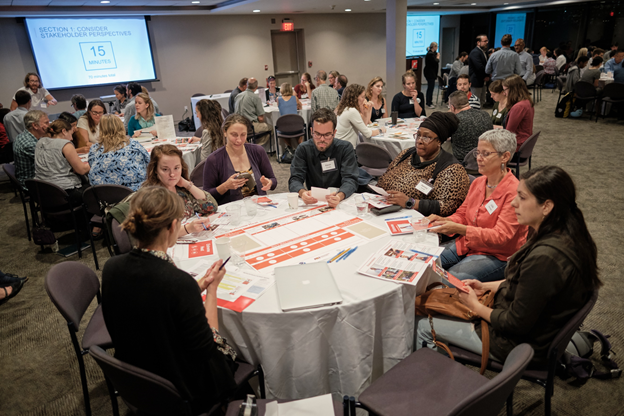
(546, 282)
(154, 311)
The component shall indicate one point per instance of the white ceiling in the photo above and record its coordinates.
(10, 8)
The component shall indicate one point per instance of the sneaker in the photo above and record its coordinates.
(431, 106)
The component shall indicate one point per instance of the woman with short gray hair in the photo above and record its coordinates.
(486, 225)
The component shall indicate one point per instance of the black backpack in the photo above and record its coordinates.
(575, 360)
(564, 106)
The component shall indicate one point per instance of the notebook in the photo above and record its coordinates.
(305, 286)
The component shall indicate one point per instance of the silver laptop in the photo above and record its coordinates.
(306, 286)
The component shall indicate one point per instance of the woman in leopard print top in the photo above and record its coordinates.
(425, 177)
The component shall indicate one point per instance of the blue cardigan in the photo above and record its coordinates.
(218, 168)
(133, 124)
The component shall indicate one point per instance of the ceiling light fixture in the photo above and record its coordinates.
(347, 10)
(105, 2)
(473, 4)
(195, 2)
(256, 11)
(435, 4)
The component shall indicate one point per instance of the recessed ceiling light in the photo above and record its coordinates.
(256, 11)
(505, 4)
(195, 2)
(473, 4)
(435, 4)
(347, 10)
(105, 2)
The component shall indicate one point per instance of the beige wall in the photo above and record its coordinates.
(209, 54)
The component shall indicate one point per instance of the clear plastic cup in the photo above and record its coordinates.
(362, 208)
(250, 206)
(223, 247)
(420, 225)
(234, 211)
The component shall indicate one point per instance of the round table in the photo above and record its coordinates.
(395, 139)
(338, 349)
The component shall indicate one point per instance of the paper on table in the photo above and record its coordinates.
(165, 127)
(314, 406)
(271, 409)
(320, 193)
(379, 190)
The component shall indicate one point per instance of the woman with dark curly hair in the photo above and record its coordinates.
(209, 114)
(350, 117)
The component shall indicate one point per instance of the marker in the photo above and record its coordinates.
(203, 225)
(349, 253)
(225, 262)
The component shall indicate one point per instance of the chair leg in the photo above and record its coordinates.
(345, 405)
(113, 396)
(510, 404)
(261, 387)
(27, 220)
(83, 373)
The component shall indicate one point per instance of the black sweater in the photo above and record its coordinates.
(157, 321)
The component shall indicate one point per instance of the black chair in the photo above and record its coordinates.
(198, 132)
(561, 82)
(523, 156)
(428, 382)
(123, 243)
(545, 377)
(197, 175)
(198, 94)
(97, 199)
(72, 287)
(58, 211)
(147, 393)
(288, 126)
(23, 193)
(585, 92)
(374, 159)
(537, 85)
(613, 93)
(253, 137)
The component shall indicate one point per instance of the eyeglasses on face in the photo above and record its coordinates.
(320, 136)
(424, 139)
(484, 154)
(97, 113)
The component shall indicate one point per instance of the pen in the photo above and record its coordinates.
(349, 253)
(344, 256)
(203, 225)
(225, 262)
(338, 255)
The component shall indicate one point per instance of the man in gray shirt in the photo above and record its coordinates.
(249, 105)
(526, 62)
(505, 62)
(324, 96)
(14, 121)
(472, 124)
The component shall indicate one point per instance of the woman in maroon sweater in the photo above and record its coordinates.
(519, 118)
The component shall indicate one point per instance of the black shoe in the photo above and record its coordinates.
(8, 279)
(17, 286)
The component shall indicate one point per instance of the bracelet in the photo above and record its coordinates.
(186, 229)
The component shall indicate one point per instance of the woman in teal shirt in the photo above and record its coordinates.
(145, 116)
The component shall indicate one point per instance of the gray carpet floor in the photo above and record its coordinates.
(39, 370)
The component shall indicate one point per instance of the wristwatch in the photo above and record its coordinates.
(410, 203)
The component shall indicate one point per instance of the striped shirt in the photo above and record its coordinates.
(324, 96)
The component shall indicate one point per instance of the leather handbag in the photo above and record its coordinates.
(439, 299)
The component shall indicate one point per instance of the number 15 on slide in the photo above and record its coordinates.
(98, 55)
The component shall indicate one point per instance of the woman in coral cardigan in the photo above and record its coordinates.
(486, 225)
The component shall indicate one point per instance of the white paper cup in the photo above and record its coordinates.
(293, 200)
(223, 247)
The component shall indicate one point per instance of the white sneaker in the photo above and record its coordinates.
(431, 106)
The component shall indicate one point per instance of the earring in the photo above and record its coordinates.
(503, 167)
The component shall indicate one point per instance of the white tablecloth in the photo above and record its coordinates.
(388, 140)
(338, 349)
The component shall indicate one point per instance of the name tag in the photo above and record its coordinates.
(491, 207)
(499, 115)
(328, 165)
(424, 187)
(383, 111)
(495, 111)
(411, 101)
(44, 105)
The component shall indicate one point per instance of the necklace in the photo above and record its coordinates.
(490, 186)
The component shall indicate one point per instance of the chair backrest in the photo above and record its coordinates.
(539, 68)
(561, 82)
(198, 132)
(98, 197)
(372, 156)
(48, 196)
(10, 172)
(197, 175)
(584, 89)
(360, 137)
(446, 79)
(198, 94)
(615, 91)
(71, 287)
(121, 237)
(226, 91)
(224, 113)
(526, 149)
(563, 337)
(488, 399)
(146, 391)
(441, 82)
(290, 123)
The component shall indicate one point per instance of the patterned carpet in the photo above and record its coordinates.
(39, 370)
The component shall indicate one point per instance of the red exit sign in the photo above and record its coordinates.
(288, 26)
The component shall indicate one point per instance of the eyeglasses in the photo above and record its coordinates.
(485, 153)
(325, 136)
(97, 114)
(424, 139)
